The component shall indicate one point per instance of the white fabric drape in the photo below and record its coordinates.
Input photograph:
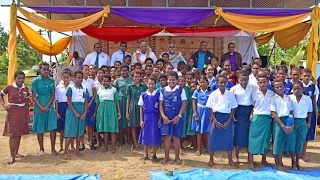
(79, 43)
(247, 47)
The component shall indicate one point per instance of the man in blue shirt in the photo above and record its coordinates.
(202, 57)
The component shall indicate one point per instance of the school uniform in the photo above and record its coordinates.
(311, 90)
(121, 85)
(242, 114)
(16, 123)
(287, 87)
(107, 114)
(221, 105)
(172, 102)
(202, 126)
(269, 85)
(74, 127)
(190, 131)
(97, 85)
(296, 139)
(253, 80)
(89, 84)
(177, 71)
(61, 98)
(134, 109)
(150, 134)
(282, 106)
(186, 112)
(212, 82)
(214, 85)
(46, 121)
(259, 131)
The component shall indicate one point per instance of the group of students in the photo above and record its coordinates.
(220, 110)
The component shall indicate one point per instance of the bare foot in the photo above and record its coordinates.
(266, 164)
(293, 167)
(181, 152)
(12, 160)
(19, 155)
(42, 153)
(281, 168)
(54, 152)
(252, 166)
(232, 164)
(165, 160)
(65, 156)
(104, 150)
(178, 161)
(60, 150)
(113, 151)
(305, 159)
(299, 167)
(198, 153)
(211, 163)
(79, 154)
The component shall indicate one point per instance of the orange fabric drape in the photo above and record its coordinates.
(264, 38)
(12, 44)
(312, 57)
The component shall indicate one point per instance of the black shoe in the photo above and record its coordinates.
(92, 147)
(154, 159)
(81, 147)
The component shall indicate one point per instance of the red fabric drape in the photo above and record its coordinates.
(118, 34)
(200, 30)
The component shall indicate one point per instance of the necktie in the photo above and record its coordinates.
(96, 63)
(124, 55)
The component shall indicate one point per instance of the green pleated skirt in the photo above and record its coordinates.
(279, 137)
(296, 139)
(134, 112)
(74, 127)
(107, 117)
(123, 122)
(259, 134)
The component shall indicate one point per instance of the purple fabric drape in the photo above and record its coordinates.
(167, 17)
(268, 12)
(67, 10)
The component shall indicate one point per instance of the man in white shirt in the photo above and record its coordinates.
(143, 53)
(120, 54)
(97, 58)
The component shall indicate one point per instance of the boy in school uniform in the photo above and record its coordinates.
(259, 131)
(302, 111)
(243, 94)
(281, 111)
(255, 67)
(172, 105)
(311, 90)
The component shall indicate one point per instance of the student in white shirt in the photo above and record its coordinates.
(120, 54)
(302, 111)
(243, 94)
(281, 111)
(222, 103)
(259, 131)
(97, 58)
(254, 70)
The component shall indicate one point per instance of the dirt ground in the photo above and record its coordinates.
(124, 164)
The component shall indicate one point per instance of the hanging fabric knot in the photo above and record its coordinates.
(218, 11)
(106, 11)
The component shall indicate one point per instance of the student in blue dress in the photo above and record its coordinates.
(150, 135)
(223, 72)
(222, 104)
(281, 111)
(311, 90)
(282, 73)
(210, 75)
(243, 94)
(76, 113)
(201, 114)
(90, 121)
(44, 119)
(259, 131)
(61, 104)
(172, 105)
(302, 111)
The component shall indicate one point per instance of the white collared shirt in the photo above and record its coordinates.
(167, 88)
(178, 72)
(261, 103)
(141, 102)
(222, 103)
(118, 56)
(89, 84)
(243, 96)
(104, 59)
(316, 90)
(143, 57)
(78, 93)
(61, 91)
(282, 106)
(97, 84)
(253, 80)
(15, 86)
(302, 108)
(106, 94)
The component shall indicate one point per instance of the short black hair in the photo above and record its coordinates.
(149, 59)
(160, 60)
(137, 64)
(163, 75)
(123, 43)
(107, 76)
(172, 74)
(181, 63)
(77, 72)
(165, 54)
(17, 73)
(97, 44)
(41, 65)
(124, 66)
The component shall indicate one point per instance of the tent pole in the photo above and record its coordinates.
(275, 56)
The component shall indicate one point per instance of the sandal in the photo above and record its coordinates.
(198, 153)
(144, 157)
(81, 147)
(154, 159)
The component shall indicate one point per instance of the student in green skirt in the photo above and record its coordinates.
(44, 119)
(302, 111)
(191, 133)
(182, 84)
(76, 112)
(259, 132)
(121, 84)
(107, 112)
(281, 111)
(134, 91)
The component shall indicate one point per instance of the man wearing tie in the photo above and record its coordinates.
(97, 58)
(120, 54)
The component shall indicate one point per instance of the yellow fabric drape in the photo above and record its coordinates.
(286, 38)
(260, 23)
(64, 25)
(12, 44)
(264, 38)
(38, 43)
(312, 57)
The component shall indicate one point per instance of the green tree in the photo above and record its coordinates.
(63, 59)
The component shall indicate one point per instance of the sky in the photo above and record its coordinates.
(5, 22)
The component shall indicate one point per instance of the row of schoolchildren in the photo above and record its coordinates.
(175, 109)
